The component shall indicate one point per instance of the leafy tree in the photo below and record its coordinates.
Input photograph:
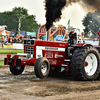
(91, 20)
(30, 23)
(11, 18)
(20, 12)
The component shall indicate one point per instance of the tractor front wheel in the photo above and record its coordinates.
(85, 64)
(42, 67)
(16, 70)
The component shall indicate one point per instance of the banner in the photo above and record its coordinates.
(18, 46)
(33, 34)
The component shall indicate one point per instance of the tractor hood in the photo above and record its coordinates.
(46, 43)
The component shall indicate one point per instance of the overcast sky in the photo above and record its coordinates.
(36, 7)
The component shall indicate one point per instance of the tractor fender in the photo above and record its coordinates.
(82, 45)
(70, 49)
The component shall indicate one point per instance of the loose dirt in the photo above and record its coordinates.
(28, 87)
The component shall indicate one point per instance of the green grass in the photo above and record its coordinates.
(11, 51)
(2, 63)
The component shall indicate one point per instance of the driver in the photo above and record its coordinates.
(72, 38)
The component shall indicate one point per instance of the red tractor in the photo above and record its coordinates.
(74, 56)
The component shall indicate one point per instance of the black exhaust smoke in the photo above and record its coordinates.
(54, 8)
(53, 11)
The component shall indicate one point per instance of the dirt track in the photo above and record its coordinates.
(28, 87)
(2, 56)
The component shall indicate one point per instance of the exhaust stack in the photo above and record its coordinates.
(47, 35)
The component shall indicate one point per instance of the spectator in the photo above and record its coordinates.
(15, 40)
(5, 39)
(22, 40)
(2, 39)
(12, 39)
(9, 40)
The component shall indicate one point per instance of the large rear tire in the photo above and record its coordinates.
(42, 67)
(16, 70)
(85, 64)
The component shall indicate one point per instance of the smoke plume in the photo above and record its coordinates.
(53, 11)
(54, 8)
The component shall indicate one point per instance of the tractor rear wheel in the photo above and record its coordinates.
(16, 70)
(42, 67)
(85, 64)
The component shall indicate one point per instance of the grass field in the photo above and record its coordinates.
(11, 51)
(2, 63)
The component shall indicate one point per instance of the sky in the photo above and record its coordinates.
(36, 7)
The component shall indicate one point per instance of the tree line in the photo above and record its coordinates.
(29, 23)
(91, 20)
(11, 19)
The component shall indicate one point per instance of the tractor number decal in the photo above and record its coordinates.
(49, 55)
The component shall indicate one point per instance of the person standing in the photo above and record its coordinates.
(5, 39)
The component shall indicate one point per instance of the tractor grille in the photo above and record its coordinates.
(29, 50)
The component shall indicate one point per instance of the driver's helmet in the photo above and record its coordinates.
(71, 35)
